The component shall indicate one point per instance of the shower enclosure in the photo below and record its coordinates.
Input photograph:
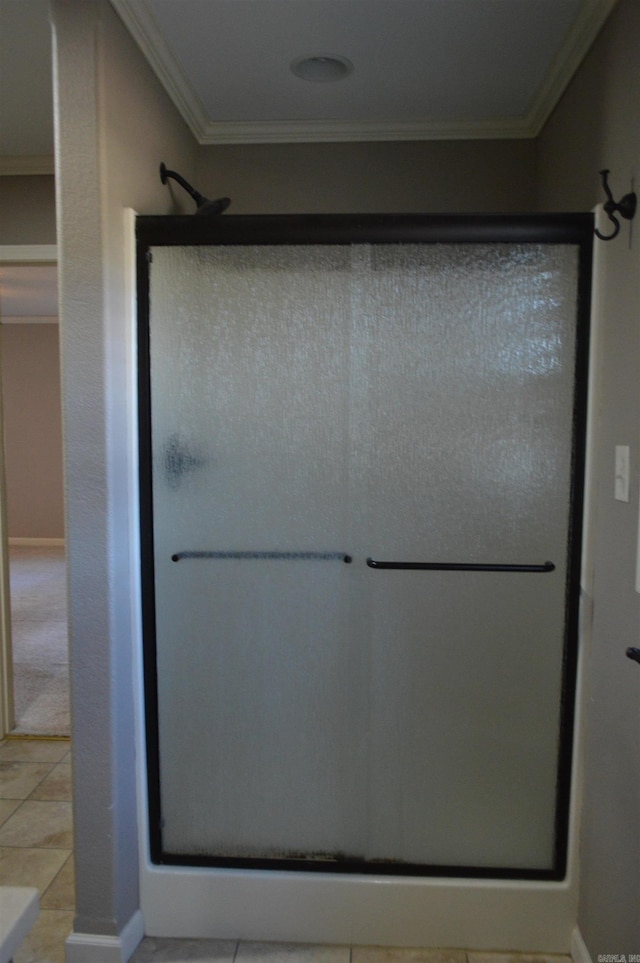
(361, 459)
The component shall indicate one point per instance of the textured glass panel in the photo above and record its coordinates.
(401, 402)
(250, 376)
(467, 363)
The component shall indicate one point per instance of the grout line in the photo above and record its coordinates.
(46, 890)
(27, 762)
(13, 811)
(46, 776)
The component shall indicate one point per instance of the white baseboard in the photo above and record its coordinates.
(93, 948)
(579, 951)
(38, 541)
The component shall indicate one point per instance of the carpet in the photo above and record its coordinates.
(40, 640)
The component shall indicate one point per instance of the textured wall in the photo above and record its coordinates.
(596, 126)
(113, 123)
(32, 430)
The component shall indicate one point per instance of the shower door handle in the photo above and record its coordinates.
(278, 556)
(458, 566)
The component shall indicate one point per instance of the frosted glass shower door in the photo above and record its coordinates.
(362, 477)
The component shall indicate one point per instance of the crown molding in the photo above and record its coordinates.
(291, 132)
(143, 28)
(576, 46)
(140, 23)
(16, 165)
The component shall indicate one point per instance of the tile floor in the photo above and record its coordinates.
(213, 951)
(36, 850)
(36, 838)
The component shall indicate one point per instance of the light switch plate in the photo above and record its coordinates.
(621, 491)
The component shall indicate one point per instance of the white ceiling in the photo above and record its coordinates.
(422, 68)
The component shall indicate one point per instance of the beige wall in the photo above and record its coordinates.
(33, 434)
(427, 177)
(32, 430)
(596, 126)
(27, 210)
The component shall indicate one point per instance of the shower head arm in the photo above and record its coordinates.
(165, 174)
(203, 204)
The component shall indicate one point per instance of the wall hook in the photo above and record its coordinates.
(626, 207)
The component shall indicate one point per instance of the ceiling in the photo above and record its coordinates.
(423, 69)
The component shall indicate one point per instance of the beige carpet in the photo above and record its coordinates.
(40, 640)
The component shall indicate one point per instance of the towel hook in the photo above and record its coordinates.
(626, 207)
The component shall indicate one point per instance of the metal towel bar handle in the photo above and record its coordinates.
(458, 566)
(280, 556)
(371, 562)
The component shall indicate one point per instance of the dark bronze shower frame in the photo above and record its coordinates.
(571, 229)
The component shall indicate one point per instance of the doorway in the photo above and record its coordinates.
(36, 647)
(362, 446)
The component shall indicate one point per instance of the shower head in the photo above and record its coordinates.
(204, 205)
(216, 206)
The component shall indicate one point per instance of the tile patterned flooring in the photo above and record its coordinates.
(36, 850)
(212, 951)
(36, 838)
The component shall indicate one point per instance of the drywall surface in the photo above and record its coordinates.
(32, 430)
(596, 126)
(27, 210)
(428, 177)
(113, 124)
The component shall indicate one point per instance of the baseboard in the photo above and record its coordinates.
(93, 948)
(38, 541)
(579, 951)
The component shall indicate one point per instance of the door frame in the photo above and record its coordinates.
(576, 229)
(11, 254)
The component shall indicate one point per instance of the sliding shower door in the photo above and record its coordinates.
(361, 447)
